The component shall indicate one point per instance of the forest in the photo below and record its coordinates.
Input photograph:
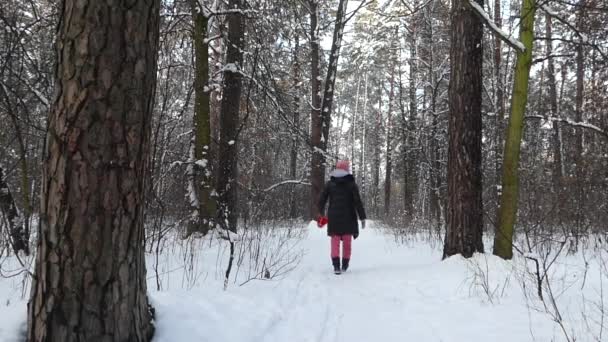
(162, 162)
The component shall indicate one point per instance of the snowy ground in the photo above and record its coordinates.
(393, 292)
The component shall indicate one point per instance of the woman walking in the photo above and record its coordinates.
(344, 207)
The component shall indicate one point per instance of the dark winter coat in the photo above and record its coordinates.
(344, 206)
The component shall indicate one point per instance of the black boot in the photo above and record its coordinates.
(336, 263)
(345, 264)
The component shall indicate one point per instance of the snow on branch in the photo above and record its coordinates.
(274, 186)
(504, 36)
(583, 39)
(295, 182)
(234, 11)
(571, 123)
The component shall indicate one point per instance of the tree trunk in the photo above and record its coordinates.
(11, 215)
(376, 159)
(465, 210)
(317, 171)
(25, 187)
(558, 167)
(354, 129)
(503, 239)
(410, 181)
(229, 120)
(580, 81)
(90, 282)
(389, 151)
(324, 116)
(21, 232)
(203, 201)
(498, 99)
(332, 71)
(293, 163)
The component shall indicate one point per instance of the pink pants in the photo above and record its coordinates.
(346, 245)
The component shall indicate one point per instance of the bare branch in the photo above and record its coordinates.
(502, 35)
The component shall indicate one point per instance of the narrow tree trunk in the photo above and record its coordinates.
(11, 215)
(229, 120)
(465, 209)
(317, 171)
(90, 281)
(324, 123)
(435, 165)
(580, 81)
(362, 160)
(332, 71)
(354, 129)
(23, 232)
(498, 99)
(376, 160)
(293, 163)
(503, 239)
(204, 208)
(557, 147)
(389, 151)
(410, 181)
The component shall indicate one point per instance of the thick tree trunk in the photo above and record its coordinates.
(90, 281)
(229, 120)
(465, 210)
(317, 171)
(503, 239)
(203, 201)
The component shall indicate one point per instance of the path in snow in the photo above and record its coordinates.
(390, 293)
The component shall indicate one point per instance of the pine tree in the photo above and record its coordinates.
(90, 281)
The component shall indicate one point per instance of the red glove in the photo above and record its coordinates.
(321, 221)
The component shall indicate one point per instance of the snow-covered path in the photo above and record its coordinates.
(391, 293)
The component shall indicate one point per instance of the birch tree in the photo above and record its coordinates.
(503, 238)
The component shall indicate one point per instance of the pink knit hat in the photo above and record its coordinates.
(343, 165)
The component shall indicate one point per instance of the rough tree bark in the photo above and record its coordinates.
(90, 281)
(203, 200)
(229, 120)
(503, 239)
(464, 209)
